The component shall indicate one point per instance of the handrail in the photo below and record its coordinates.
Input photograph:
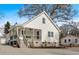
(18, 40)
(25, 41)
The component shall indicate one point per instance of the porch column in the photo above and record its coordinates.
(13, 36)
(33, 38)
(17, 31)
(10, 39)
(21, 38)
(17, 39)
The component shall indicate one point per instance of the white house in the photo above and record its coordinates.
(70, 41)
(38, 31)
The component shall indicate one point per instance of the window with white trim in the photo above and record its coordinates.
(50, 34)
(76, 40)
(37, 34)
(65, 41)
(43, 20)
(69, 40)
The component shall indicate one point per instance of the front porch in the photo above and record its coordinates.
(32, 37)
(25, 37)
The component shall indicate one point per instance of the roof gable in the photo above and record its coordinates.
(46, 16)
(52, 21)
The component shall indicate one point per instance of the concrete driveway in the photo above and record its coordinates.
(8, 50)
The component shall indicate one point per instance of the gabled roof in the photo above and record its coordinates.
(47, 17)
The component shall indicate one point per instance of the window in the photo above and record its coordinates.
(69, 40)
(37, 34)
(11, 38)
(43, 20)
(15, 36)
(50, 34)
(28, 36)
(37, 37)
(76, 40)
(65, 41)
(22, 32)
(15, 42)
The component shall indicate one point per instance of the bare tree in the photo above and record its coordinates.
(61, 12)
(70, 29)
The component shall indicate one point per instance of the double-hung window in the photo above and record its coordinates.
(76, 40)
(43, 20)
(65, 41)
(37, 34)
(50, 34)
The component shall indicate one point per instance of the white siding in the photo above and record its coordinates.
(48, 26)
(72, 38)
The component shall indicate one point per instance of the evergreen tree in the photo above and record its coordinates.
(6, 27)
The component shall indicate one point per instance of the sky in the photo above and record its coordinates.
(76, 7)
(9, 11)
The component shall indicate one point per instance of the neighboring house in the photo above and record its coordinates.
(70, 41)
(36, 32)
(2, 37)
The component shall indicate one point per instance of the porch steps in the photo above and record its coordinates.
(22, 44)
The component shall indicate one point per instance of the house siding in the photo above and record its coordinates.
(72, 41)
(47, 26)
